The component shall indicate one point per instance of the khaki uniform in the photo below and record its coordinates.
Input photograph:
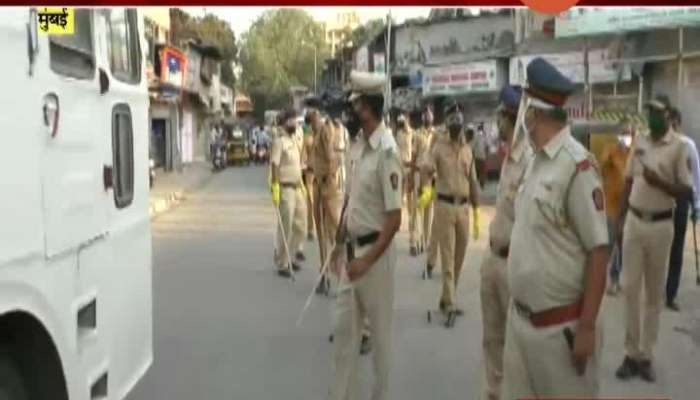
(374, 189)
(424, 142)
(559, 219)
(494, 286)
(405, 139)
(646, 245)
(453, 164)
(328, 196)
(286, 154)
(308, 172)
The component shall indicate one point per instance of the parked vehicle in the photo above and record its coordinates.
(219, 158)
(75, 238)
(237, 150)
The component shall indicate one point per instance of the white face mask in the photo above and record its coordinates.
(625, 140)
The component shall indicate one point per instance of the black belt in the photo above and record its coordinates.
(288, 185)
(360, 242)
(452, 199)
(502, 252)
(651, 216)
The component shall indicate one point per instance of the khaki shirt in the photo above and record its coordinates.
(286, 154)
(307, 149)
(325, 158)
(404, 139)
(423, 141)
(668, 158)
(374, 182)
(453, 163)
(559, 219)
(512, 174)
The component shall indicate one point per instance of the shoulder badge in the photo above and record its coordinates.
(394, 181)
(583, 165)
(598, 199)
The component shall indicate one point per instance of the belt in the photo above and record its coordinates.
(651, 216)
(452, 199)
(288, 185)
(502, 252)
(360, 242)
(550, 317)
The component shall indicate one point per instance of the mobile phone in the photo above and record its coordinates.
(569, 335)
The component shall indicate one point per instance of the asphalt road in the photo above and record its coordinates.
(225, 324)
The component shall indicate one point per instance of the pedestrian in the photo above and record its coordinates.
(328, 196)
(309, 176)
(457, 188)
(287, 194)
(404, 139)
(494, 287)
(558, 254)
(424, 142)
(371, 218)
(612, 165)
(680, 216)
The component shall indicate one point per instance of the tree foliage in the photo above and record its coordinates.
(210, 30)
(364, 33)
(278, 53)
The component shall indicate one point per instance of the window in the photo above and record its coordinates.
(73, 55)
(123, 156)
(123, 44)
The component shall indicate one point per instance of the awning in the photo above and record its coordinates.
(617, 116)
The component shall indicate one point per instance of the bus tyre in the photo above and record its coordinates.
(12, 385)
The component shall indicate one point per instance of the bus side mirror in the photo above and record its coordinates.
(104, 82)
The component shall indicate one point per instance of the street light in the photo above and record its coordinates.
(305, 43)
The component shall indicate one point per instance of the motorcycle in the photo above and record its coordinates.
(219, 156)
(261, 155)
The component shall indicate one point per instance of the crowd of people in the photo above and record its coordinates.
(563, 218)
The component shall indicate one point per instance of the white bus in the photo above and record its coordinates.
(75, 241)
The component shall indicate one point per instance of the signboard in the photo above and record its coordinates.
(379, 63)
(572, 66)
(590, 21)
(173, 68)
(460, 79)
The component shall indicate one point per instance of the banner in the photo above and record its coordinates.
(590, 21)
(461, 79)
(571, 65)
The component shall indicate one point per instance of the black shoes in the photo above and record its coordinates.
(628, 369)
(323, 286)
(296, 267)
(672, 305)
(428, 273)
(365, 345)
(284, 273)
(646, 372)
(413, 251)
(300, 256)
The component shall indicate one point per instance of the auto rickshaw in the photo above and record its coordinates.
(237, 144)
(597, 134)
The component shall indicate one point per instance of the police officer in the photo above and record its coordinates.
(327, 197)
(424, 140)
(558, 254)
(457, 187)
(657, 175)
(494, 287)
(405, 141)
(309, 176)
(287, 193)
(371, 218)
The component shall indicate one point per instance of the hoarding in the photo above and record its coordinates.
(591, 21)
(572, 66)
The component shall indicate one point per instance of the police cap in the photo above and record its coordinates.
(547, 85)
(366, 84)
(510, 99)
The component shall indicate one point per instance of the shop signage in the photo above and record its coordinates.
(572, 66)
(461, 79)
(590, 21)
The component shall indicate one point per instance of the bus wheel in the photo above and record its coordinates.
(12, 385)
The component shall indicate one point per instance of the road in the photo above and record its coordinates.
(224, 323)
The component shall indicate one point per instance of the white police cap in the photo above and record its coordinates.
(365, 83)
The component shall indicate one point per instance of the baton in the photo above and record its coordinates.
(309, 299)
(284, 239)
(695, 243)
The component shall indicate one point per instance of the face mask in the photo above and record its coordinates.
(352, 123)
(455, 131)
(657, 124)
(625, 140)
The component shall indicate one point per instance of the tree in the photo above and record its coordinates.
(210, 30)
(364, 33)
(278, 53)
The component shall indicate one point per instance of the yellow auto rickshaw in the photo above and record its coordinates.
(237, 144)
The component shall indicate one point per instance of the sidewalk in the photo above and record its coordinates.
(170, 188)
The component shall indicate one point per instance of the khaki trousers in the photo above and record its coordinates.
(452, 230)
(411, 194)
(429, 239)
(494, 311)
(537, 362)
(293, 214)
(328, 203)
(371, 297)
(309, 183)
(645, 250)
